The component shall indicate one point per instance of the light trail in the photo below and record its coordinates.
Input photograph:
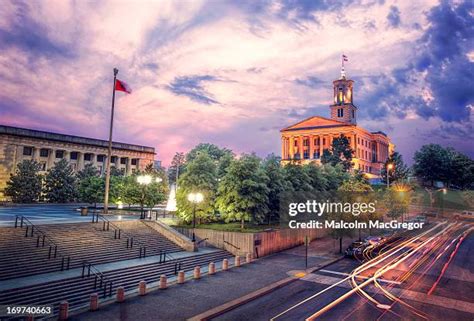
(367, 265)
(377, 274)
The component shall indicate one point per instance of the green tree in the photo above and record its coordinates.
(60, 183)
(335, 176)
(24, 185)
(90, 186)
(276, 185)
(318, 180)
(214, 152)
(396, 202)
(177, 167)
(130, 191)
(297, 178)
(243, 191)
(432, 163)
(339, 153)
(399, 171)
(224, 163)
(461, 170)
(200, 176)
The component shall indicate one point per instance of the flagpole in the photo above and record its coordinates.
(109, 152)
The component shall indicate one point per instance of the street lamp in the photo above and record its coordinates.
(143, 180)
(389, 168)
(195, 198)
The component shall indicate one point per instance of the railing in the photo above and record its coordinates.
(234, 246)
(203, 240)
(100, 280)
(106, 224)
(43, 240)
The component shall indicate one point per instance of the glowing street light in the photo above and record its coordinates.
(389, 168)
(195, 198)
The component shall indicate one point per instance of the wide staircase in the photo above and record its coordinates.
(28, 249)
(77, 290)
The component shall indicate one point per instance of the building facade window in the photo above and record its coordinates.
(316, 155)
(100, 158)
(44, 152)
(123, 160)
(87, 157)
(27, 151)
(306, 154)
(305, 142)
(113, 159)
(74, 155)
(135, 161)
(340, 112)
(59, 154)
(324, 141)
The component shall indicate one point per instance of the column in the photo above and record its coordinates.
(311, 147)
(320, 137)
(129, 166)
(80, 161)
(51, 158)
(300, 146)
(36, 154)
(292, 147)
(283, 148)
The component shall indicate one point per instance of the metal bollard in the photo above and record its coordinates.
(142, 288)
(94, 302)
(237, 261)
(212, 268)
(180, 277)
(120, 294)
(197, 272)
(163, 282)
(225, 264)
(63, 310)
(248, 258)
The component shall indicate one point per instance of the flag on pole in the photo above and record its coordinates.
(344, 58)
(121, 85)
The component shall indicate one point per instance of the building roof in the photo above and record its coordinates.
(31, 133)
(316, 122)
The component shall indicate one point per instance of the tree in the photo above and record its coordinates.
(398, 172)
(130, 191)
(214, 152)
(90, 186)
(340, 153)
(396, 202)
(200, 176)
(243, 191)
(24, 185)
(177, 167)
(318, 180)
(432, 163)
(461, 170)
(297, 178)
(223, 164)
(60, 183)
(276, 185)
(335, 176)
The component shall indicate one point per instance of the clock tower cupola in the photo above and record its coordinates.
(343, 108)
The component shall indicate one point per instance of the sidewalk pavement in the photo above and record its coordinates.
(180, 302)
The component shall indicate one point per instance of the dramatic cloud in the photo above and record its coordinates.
(234, 73)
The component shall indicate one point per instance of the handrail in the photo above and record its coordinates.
(42, 238)
(99, 277)
(234, 246)
(200, 241)
(118, 233)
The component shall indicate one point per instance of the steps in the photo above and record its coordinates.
(20, 256)
(77, 290)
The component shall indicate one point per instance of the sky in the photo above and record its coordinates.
(234, 73)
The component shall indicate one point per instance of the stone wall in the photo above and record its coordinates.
(259, 244)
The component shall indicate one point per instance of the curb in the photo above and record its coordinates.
(226, 307)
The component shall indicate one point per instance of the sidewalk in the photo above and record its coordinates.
(180, 302)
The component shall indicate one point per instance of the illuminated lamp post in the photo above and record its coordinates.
(389, 168)
(195, 198)
(143, 180)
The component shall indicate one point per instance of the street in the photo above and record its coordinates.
(392, 285)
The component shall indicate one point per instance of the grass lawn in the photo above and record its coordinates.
(232, 227)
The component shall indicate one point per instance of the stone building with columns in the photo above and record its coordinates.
(18, 144)
(306, 140)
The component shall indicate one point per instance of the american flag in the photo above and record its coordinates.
(344, 58)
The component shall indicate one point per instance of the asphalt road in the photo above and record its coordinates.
(420, 263)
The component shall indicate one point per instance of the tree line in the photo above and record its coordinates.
(60, 184)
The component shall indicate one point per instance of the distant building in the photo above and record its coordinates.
(306, 140)
(18, 144)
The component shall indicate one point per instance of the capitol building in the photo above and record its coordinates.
(305, 141)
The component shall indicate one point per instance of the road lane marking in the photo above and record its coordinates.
(359, 276)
